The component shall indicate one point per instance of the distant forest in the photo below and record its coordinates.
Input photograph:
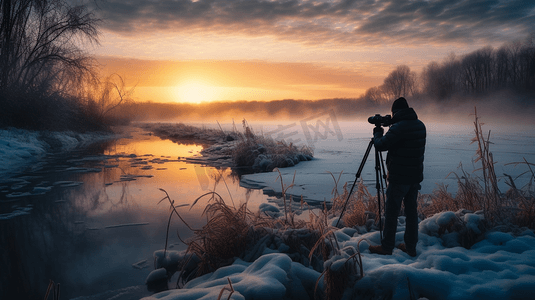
(503, 77)
(510, 67)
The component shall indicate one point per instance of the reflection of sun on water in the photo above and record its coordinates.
(196, 92)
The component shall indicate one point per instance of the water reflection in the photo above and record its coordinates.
(90, 221)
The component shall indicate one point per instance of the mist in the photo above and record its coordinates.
(496, 108)
(497, 83)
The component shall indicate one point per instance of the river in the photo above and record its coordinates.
(90, 219)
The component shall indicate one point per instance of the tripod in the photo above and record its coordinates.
(380, 177)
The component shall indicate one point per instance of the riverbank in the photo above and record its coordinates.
(20, 148)
(243, 152)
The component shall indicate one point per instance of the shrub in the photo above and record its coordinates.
(265, 154)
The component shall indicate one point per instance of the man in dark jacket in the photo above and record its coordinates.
(405, 142)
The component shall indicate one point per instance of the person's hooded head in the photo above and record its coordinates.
(399, 104)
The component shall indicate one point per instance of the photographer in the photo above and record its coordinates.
(405, 143)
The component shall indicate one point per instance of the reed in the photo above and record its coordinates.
(263, 153)
(54, 288)
(361, 208)
(515, 207)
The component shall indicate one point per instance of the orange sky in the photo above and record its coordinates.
(201, 50)
(211, 80)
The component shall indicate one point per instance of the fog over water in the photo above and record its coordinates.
(449, 146)
(500, 109)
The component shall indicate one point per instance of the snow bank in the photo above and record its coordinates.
(498, 266)
(20, 148)
(272, 276)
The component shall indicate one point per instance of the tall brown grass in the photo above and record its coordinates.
(515, 207)
(361, 209)
(236, 232)
(265, 154)
(524, 197)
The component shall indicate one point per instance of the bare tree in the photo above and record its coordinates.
(502, 67)
(478, 72)
(39, 44)
(527, 61)
(103, 97)
(374, 95)
(400, 82)
(432, 81)
(515, 48)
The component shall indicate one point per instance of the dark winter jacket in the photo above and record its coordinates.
(405, 142)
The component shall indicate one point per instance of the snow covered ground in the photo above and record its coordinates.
(500, 266)
(20, 148)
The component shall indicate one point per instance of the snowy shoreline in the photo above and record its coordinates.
(257, 154)
(20, 148)
(500, 265)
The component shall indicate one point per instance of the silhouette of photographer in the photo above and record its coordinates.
(405, 143)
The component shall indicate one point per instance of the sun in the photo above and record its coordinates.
(195, 91)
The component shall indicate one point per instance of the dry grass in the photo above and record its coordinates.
(224, 237)
(236, 232)
(265, 154)
(54, 288)
(361, 206)
(523, 197)
(516, 207)
(339, 279)
(469, 196)
(230, 288)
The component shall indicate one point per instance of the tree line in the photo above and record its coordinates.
(509, 67)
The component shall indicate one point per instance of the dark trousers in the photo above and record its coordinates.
(395, 194)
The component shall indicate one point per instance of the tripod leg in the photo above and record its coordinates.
(383, 169)
(378, 182)
(383, 181)
(362, 163)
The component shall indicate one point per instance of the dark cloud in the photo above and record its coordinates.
(348, 22)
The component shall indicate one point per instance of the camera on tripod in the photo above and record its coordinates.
(379, 120)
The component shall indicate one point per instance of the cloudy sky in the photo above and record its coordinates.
(202, 50)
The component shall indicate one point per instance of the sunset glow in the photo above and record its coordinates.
(196, 91)
(199, 51)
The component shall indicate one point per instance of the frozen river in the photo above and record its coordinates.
(339, 148)
(90, 220)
